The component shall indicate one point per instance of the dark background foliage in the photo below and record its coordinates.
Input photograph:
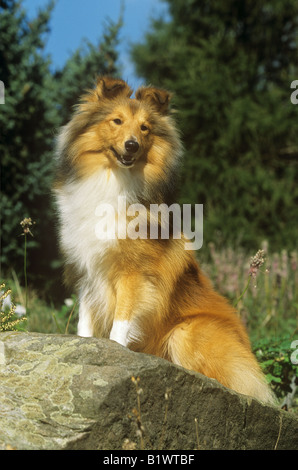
(38, 101)
(230, 65)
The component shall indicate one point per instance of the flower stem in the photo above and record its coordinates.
(246, 287)
(25, 273)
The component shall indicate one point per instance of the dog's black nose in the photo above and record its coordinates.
(131, 146)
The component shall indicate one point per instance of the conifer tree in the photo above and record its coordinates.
(38, 101)
(230, 65)
(27, 120)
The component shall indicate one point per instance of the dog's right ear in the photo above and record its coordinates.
(109, 88)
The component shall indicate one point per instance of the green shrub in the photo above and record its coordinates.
(38, 101)
(8, 318)
(230, 65)
(278, 360)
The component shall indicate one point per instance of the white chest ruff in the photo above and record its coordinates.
(84, 215)
(82, 218)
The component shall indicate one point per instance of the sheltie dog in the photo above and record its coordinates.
(147, 294)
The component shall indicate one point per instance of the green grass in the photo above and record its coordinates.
(42, 317)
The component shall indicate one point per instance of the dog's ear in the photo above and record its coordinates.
(156, 97)
(109, 88)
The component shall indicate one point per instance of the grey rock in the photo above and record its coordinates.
(66, 392)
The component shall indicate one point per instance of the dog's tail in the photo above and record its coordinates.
(219, 352)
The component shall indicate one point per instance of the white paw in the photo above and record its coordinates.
(120, 331)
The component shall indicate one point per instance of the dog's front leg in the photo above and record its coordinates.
(127, 299)
(120, 331)
(85, 326)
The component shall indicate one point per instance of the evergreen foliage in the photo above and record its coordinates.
(38, 101)
(231, 65)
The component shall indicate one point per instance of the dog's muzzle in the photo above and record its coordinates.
(128, 158)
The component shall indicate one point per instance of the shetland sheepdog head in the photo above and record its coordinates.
(111, 131)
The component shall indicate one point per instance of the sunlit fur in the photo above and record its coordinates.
(147, 294)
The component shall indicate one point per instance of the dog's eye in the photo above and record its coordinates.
(144, 128)
(117, 121)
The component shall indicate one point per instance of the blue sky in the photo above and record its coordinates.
(74, 20)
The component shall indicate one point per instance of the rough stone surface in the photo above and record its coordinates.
(66, 392)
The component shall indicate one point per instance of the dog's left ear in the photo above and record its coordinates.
(109, 88)
(156, 97)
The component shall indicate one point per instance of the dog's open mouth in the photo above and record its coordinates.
(127, 159)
